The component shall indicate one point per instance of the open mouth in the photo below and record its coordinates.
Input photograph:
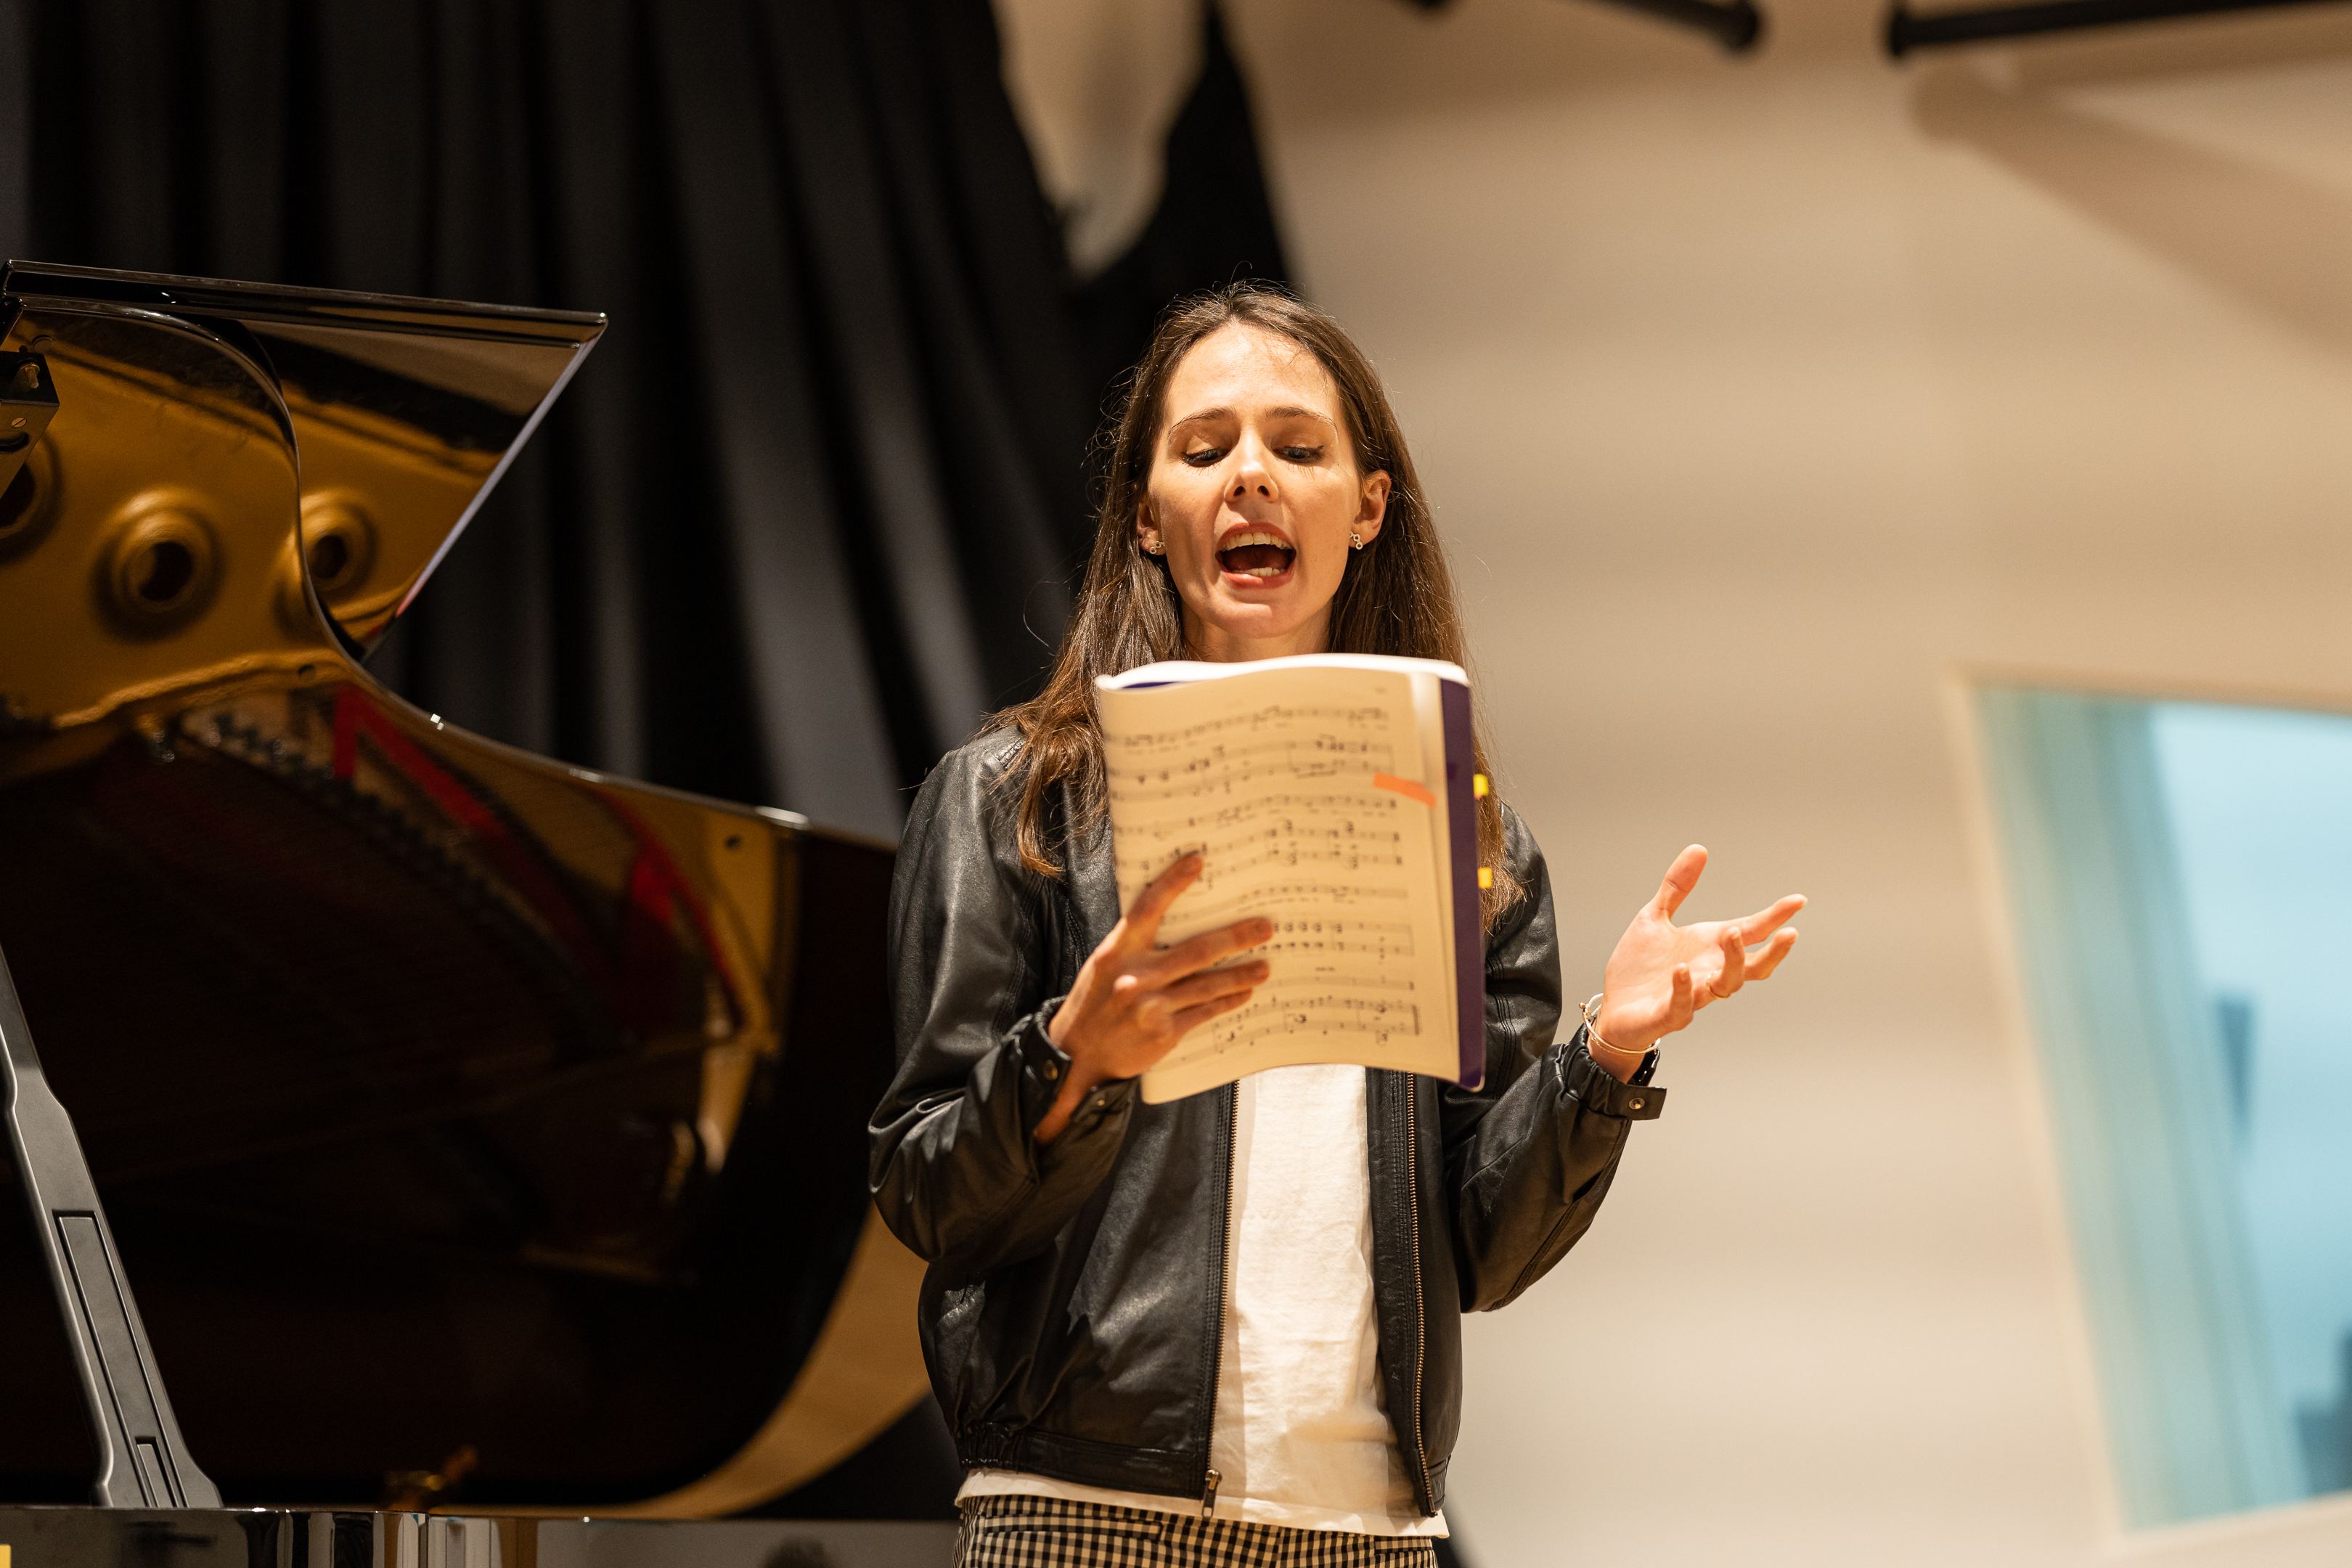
(1257, 552)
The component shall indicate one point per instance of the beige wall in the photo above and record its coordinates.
(1759, 398)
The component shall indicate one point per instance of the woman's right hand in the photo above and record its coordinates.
(1130, 1004)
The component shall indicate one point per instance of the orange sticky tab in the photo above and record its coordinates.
(1404, 787)
(1486, 875)
(1478, 785)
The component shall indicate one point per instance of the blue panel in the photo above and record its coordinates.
(2259, 805)
(2137, 1062)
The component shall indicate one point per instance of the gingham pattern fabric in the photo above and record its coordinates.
(1054, 1532)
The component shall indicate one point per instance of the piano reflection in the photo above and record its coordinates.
(439, 1095)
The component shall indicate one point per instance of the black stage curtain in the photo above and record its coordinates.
(812, 507)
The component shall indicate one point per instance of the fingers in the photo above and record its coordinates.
(1144, 916)
(1683, 1003)
(1240, 980)
(1774, 951)
(1772, 916)
(1160, 1012)
(1680, 877)
(1738, 968)
(1212, 946)
(1189, 1018)
(1734, 973)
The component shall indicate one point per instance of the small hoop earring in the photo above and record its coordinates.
(1355, 542)
(1153, 547)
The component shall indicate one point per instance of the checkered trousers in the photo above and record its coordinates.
(1054, 1532)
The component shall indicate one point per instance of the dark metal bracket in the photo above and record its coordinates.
(27, 403)
(143, 1462)
(1906, 30)
(1736, 25)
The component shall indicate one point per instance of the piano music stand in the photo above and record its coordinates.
(141, 1460)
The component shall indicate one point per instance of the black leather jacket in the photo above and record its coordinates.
(1072, 1312)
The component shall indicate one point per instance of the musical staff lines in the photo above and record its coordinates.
(1362, 722)
(1226, 776)
(1301, 1015)
(1380, 940)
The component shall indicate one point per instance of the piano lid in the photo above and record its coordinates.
(405, 412)
(440, 1095)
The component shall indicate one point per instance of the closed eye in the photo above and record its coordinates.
(1210, 457)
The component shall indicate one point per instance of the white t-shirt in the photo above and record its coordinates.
(1302, 1435)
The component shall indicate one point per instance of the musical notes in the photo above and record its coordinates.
(1295, 1015)
(1377, 939)
(1270, 777)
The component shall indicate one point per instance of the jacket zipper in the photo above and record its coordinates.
(1420, 1309)
(1212, 1480)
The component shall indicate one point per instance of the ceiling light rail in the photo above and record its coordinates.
(1907, 30)
(1736, 25)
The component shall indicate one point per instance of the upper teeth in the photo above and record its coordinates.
(1249, 536)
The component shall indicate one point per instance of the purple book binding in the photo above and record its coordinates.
(1469, 936)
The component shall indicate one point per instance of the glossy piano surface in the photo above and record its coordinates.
(440, 1095)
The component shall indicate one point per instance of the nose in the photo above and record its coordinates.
(1251, 478)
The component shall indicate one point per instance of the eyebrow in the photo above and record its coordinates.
(1287, 411)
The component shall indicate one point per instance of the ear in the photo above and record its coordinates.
(1146, 530)
(1375, 508)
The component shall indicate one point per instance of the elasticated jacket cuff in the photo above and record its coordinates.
(1044, 1065)
(1587, 1083)
(1044, 1068)
(1106, 1102)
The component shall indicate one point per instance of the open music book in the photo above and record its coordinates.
(1332, 794)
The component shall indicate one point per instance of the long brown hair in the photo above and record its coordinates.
(1397, 597)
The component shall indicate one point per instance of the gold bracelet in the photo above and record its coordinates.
(1593, 1035)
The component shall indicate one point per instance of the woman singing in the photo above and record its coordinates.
(1226, 1330)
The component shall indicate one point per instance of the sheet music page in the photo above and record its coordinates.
(1307, 791)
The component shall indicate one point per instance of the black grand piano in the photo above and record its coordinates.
(440, 1099)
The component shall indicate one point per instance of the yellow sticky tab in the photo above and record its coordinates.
(1478, 785)
(4, 1557)
(1485, 879)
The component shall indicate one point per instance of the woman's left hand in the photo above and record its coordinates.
(1663, 974)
